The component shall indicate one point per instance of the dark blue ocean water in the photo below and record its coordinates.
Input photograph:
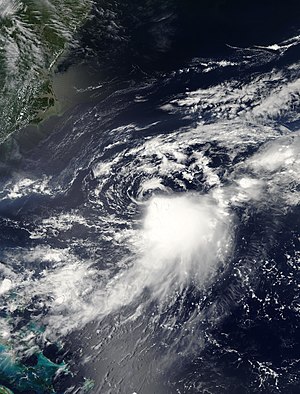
(150, 235)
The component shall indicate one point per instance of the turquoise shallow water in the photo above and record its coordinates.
(149, 236)
(21, 377)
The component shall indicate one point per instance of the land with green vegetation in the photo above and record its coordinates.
(33, 36)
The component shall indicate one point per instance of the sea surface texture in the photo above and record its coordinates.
(149, 197)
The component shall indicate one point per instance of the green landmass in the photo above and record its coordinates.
(33, 36)
(5, 390)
